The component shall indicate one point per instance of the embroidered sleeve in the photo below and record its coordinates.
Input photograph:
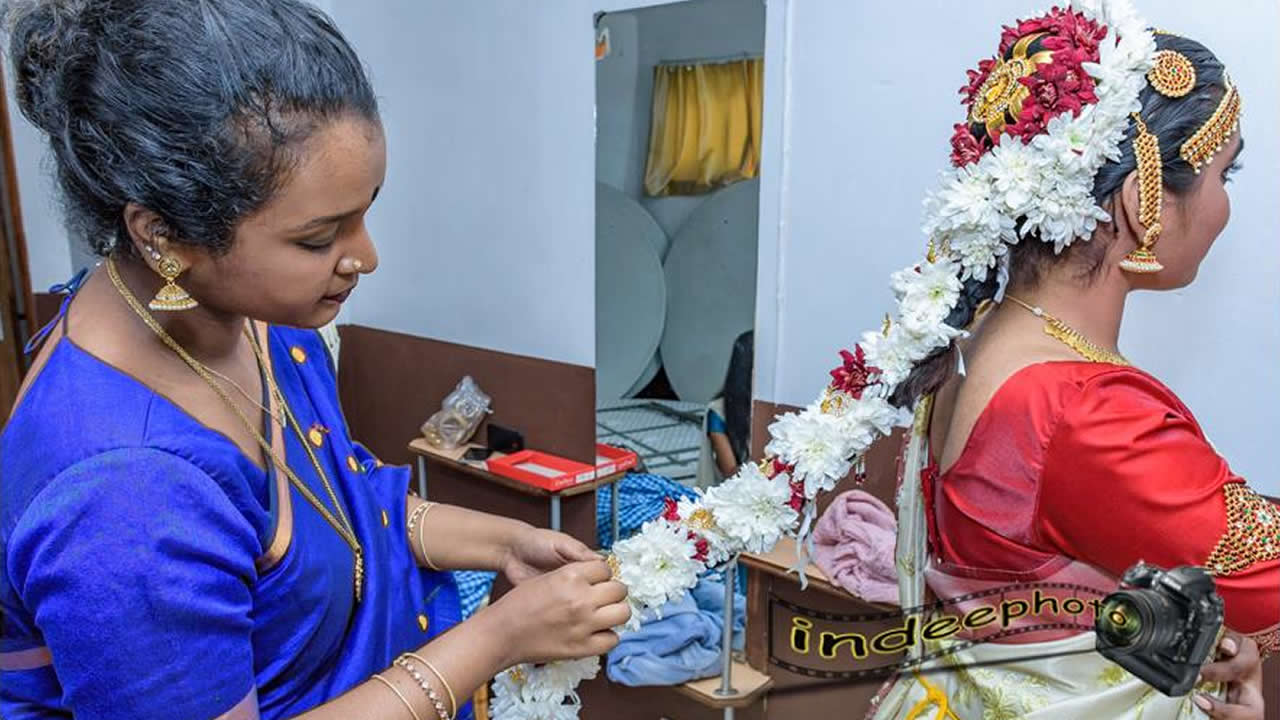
(1252, 534)
(1268, 641)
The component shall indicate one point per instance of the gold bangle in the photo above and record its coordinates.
(399, 694)
(453, 701)
(427, 690)
(422, 544)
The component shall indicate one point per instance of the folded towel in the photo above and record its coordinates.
(680, 644)
(853, 544)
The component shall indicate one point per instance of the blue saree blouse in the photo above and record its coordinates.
(152, 570)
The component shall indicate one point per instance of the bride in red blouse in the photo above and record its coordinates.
(1048, 457)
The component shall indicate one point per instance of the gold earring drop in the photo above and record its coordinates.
(171, 297)
(1146, 148)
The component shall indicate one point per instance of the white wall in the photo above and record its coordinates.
(486, 224)
(858, 116)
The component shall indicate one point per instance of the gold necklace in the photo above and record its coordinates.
(1072, 338)
(343, 527)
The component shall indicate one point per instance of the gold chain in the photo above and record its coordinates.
(1072, 338)
(344, 528)
(278, 418)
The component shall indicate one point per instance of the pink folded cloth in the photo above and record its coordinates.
(853, 544)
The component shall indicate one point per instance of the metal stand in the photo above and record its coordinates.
(422, 477)
(726, 637)
(614, 493)
(555, 513)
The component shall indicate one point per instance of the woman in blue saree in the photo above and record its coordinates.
(187, 528)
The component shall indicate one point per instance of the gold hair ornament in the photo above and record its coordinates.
(1209, 140)
(1146, 150)
(1172, 75)
(1001, 95)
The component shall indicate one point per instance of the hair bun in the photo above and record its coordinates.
(46, 37)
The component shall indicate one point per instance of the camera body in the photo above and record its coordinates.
(1161, 625)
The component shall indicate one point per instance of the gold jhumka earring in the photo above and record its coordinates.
(1146, 148)
(172, 297)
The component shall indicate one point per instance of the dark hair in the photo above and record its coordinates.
(1173, 121)
(194, 109)
(737, 395)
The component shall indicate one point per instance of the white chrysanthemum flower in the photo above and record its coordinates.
(1068, 142)
(977, 252)
(529, 692)
(967, 201)
(657, 564)
(694, 515)
(815, 443)
(506, 706)
(752, 509)
(871, 418)
(562, 676)
(926, 294)
(1017, 171)
(893, 354)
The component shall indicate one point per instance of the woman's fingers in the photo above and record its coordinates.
(608, 593)
(602, 642)
(594, 570)
(611, 616)
(1249, 708)
(1240, 662)
(573, 550)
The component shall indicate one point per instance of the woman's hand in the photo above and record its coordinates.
(1240, 667)
(563, 614)
(536, 551)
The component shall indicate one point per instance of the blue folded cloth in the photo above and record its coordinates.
(639, 501)
(682, 643)
(473, 588)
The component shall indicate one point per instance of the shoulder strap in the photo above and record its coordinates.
(69, 288)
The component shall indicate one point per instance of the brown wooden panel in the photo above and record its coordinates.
(796, 695)
(1271, 687)
(46, 306)
(17, 237)
(390, 383)
(448, 484)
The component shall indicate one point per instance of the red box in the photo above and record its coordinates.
(611, 460)
(542, 470)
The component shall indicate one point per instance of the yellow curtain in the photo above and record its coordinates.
(705, 131)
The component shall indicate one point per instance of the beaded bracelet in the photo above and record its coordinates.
(399, 694)
(414, 519)
(453, 701)
(430, 692)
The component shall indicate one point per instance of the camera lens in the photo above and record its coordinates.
(1120, 622)
(1139, 620)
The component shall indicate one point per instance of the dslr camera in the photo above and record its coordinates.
(1161, 625)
